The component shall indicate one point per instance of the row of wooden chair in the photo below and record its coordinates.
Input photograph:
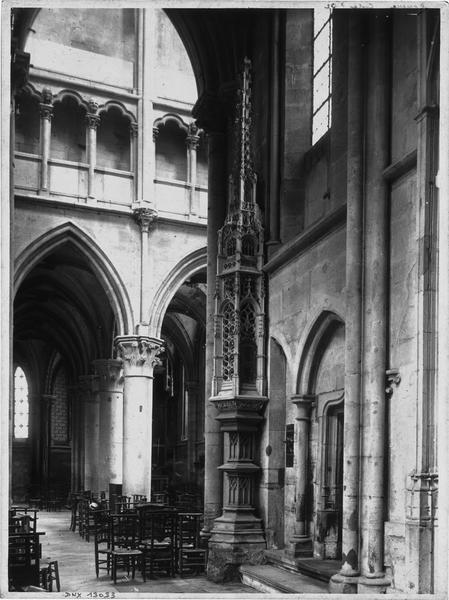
(156, 542)
(24, 554)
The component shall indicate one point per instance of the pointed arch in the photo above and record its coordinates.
(187, 267)
(316, 342)
(101, 266)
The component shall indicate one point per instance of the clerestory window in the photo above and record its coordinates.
(21, 405)
(322, 72)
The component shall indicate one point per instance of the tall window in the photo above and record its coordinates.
(322, 72)
(21, 405)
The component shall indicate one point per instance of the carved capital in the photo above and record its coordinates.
(46, 111)
(109, 372)
(145, 216)
(392, 378)
(88, 386)
(92, 120)
(139, 351)
(193, 138)
(155, 133)
(133, 129)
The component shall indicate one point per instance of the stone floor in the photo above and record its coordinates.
(76, 564)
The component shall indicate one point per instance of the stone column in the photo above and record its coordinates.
(35, 435)
(46, 402)
(46, 113)
(110, 392)
(275, 138)
(147, 86)
(217, 186)
(76, 428)
(192, 141)
(92, 122)
(301, 542)
(423, 482)
(375, 309)
(345, 581)
(89, 386)
(144, 216)
(139, 355)
(441, 569)
(133, 156)
(192, 399)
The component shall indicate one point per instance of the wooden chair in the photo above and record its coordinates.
(191, 556)
(49, 575)
(158, 542)
(23, 559)
(123, 504)
(103, 547)
(124, 552)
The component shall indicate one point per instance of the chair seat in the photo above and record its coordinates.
(126, 552)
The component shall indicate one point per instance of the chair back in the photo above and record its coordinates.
(124, 530)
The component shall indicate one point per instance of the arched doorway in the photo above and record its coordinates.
(319, 448)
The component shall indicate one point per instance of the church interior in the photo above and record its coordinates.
(227, 295)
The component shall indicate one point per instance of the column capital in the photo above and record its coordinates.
(46, 105)
(109, 372)
(133, 129)
(155, 132)
(46, 111)
(139, 351)
(145, 216)
(303, 403)
(193, 138)
(92, 120)
(88, 386)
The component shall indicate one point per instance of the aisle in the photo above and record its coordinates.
(76, 563)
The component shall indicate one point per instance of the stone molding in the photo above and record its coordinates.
(304, 404)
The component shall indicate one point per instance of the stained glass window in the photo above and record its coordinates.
(322, 72)
(21, 405)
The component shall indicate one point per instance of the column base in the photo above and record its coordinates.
(237, 538)
(341, 584)
(372, 585)
(299, 546)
